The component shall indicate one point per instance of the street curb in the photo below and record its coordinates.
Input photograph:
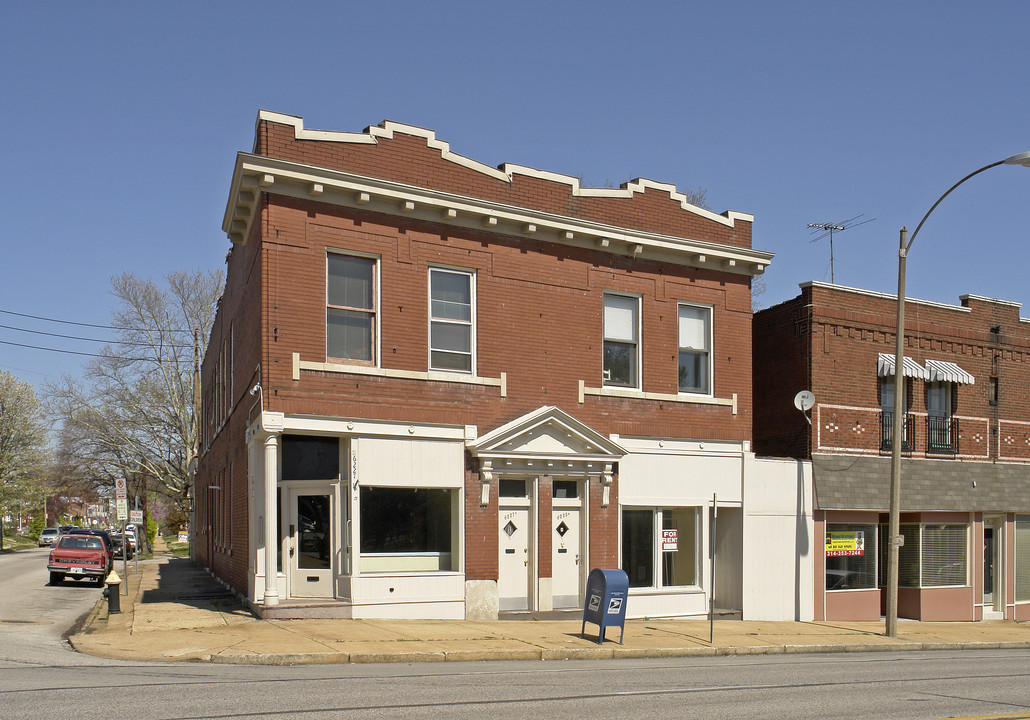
(615, 653)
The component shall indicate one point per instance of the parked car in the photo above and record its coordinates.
(78, 556)
(104, 536)
(66, 528)
(120, 540)
(49, 536)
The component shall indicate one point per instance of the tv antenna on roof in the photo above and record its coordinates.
(827, 229)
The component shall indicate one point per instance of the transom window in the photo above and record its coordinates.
(451, 337)
(695, 325)
(621, 340)
(350, 308)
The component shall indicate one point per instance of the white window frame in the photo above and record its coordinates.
(375, 346)
(657, 522)
(709, 341)
(637, 341)
(471, 323)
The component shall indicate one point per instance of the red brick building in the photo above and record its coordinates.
(436, 388)
(965, 493)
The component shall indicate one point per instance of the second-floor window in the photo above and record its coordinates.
(621, 340)
(938, 400)
(695, 324)
(887, 394)
(451, 313)
(350, 308)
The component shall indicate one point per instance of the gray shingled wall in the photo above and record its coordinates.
(850, 482)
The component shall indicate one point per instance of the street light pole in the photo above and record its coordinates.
(894, 537)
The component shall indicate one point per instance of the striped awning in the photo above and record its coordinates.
(941, 371)
(912, 369)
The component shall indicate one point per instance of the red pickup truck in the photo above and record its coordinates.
(78, 556)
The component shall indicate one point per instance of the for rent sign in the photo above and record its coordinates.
(845, 543)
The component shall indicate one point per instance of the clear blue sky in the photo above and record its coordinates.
(120, 123)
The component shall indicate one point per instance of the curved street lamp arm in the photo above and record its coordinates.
(941, 198)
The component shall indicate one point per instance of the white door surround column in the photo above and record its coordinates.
(272, 424)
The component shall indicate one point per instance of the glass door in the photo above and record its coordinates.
(310, 544)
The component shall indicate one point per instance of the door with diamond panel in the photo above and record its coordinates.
(566, 545)
(514, 566)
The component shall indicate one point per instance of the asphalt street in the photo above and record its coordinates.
(35, 617)
(40, 676)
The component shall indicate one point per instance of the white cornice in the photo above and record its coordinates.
(506, 172)
(255, 174)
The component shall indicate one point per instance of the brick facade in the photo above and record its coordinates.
(968, 467)
(543, 252)
(828, 339)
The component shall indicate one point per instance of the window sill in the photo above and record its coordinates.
(730, 402)
(672, 590)
(433, 375)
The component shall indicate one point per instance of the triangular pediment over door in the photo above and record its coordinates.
(546, 441)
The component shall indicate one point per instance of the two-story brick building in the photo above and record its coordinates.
(436, 388)
(965, 496)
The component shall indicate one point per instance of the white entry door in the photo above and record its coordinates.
(514, 566)
(567, 561)
(310, 543)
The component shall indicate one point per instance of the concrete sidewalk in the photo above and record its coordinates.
(176, 611)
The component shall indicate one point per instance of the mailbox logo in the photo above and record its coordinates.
(614, 606)
(595, 602)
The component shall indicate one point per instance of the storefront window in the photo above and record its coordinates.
(933, 555)
(1022, 558)
(944, 555)
(638, 547)
(908, 557)
(665, 538)
(406, 529)
(850, 557)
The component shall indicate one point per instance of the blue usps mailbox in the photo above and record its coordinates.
(605, 602)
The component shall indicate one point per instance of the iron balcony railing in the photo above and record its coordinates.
(908, 432)
(942, 435)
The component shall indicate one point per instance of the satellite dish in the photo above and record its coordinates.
(804, 400)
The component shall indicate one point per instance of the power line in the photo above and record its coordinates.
(82, 324)
(86, 339)
(67, 352)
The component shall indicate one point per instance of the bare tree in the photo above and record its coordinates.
(133, 414)
(23, 444)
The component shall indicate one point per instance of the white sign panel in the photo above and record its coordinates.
(123, 509)
(119, 487)
(136, 517)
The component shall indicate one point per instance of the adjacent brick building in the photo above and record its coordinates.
(965, 493)
(436, 388)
